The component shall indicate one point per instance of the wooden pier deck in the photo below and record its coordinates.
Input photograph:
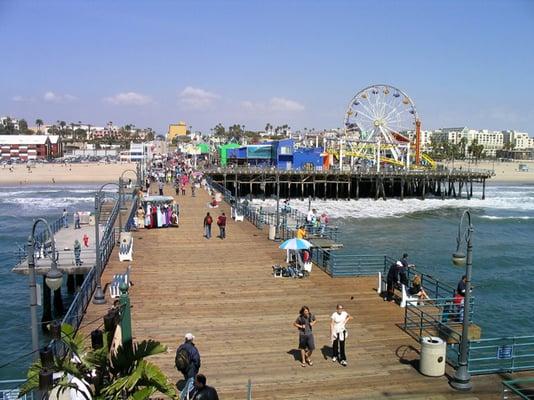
(224, 293)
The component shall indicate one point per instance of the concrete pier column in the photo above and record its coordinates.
(58, 303)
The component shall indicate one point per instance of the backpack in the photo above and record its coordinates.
(181, 360)
(209, 221)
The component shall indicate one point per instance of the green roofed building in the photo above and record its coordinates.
(223, 152)
(204, 148)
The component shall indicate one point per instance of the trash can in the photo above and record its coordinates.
(433, 353)
(272, 232)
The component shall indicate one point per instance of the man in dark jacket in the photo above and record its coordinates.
(203, 391)
(392, 279)
(193, 355)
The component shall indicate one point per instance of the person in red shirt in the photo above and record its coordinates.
(221, 222)
(207, 225)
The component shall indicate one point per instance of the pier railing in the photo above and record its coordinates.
(40, 237)
(133, 210)
(10, 389)
(356, 170)
(287, 216)
(77, 308)
(518, 389)
(506, 354)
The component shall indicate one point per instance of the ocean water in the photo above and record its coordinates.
(19, 206)
(503, 260)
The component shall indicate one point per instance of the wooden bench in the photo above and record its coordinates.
(400, 290)
(236, 216)
(118, 279)
(126, 247)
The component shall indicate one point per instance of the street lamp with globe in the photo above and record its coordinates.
(462, 379)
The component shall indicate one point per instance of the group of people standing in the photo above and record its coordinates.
(338, 334)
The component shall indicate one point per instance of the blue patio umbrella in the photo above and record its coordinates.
(295, 244)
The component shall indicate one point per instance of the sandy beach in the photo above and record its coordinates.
(505, 172)
(97, 172)
(60, 173)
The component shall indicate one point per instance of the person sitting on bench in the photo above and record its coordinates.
(417, 289)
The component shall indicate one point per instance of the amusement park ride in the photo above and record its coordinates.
(379, 127)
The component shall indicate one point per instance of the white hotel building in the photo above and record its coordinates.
(491, 140)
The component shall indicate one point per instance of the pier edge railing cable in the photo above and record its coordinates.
(10, 389)
(78, 306)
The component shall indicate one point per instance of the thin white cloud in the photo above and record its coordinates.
(22, 99)
(52, 97)
(275, 104)
(197, 98)
(282, 104)
(129, 99)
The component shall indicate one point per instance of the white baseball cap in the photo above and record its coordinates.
(189, 336)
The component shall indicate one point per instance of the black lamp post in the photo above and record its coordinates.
(99, 298)
(462, 379)
(53, 278)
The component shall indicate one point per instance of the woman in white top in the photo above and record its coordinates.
(338, 333)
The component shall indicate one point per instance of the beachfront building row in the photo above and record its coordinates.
(30, 147)
(144, 151)
(493, 141)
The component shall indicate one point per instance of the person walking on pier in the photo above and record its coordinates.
(338, 333)
(187, 359)
(77, 220)
(65, 217)
(304, 323)
(77, 253)
(207, 225)
(221, 223)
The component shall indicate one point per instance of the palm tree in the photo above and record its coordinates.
(120, 375)
(39, 123)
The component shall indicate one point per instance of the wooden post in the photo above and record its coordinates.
(423, 189)
(402, 188)
(348, 187)
(377, 188)
(358, 188)
(483, 189)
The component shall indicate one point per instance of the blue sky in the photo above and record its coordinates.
(252, 62)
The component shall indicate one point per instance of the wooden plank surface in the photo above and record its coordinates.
(224, 293)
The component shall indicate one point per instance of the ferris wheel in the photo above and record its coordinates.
(384, 116)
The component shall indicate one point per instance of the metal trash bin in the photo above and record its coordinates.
(272, 232)
(433, 355)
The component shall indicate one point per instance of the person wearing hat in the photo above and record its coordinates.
(189, 349)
